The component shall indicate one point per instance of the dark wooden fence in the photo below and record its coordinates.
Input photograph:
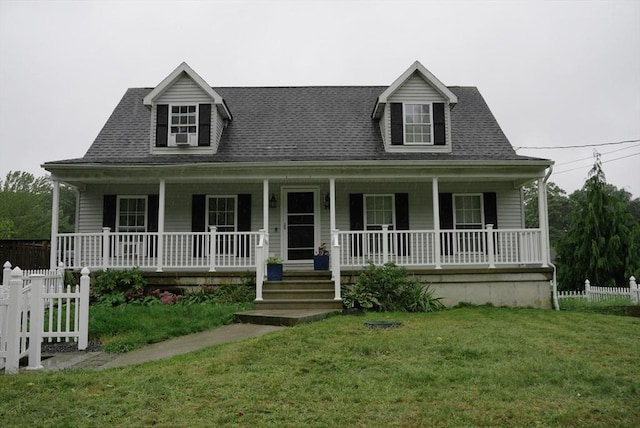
(28, 254)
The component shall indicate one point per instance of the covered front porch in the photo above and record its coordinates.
(379, 215)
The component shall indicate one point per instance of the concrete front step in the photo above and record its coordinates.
(298, 285)
(284, 317)
(292, 293)
(298, 304)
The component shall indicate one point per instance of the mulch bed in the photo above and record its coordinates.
(56, 347)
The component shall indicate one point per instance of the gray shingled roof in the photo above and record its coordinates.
(299, 124)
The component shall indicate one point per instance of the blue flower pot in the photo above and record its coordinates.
(274, 272)
(320, 262)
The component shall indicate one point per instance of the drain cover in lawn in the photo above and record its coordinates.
(382, 324)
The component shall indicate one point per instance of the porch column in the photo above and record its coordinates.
(55, 215)
(265, 204)
(436, 222)
(332, 202)
(543, 220)
(161, 198)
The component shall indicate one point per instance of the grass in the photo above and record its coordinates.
(461, 367)
(127, 327)
(613, 306)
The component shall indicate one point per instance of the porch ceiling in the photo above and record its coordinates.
(516, 172)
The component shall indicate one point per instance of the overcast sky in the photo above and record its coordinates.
(554, 73)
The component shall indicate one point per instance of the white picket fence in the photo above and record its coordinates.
(598, 294)
(36, 306)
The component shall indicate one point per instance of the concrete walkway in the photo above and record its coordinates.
(157, 351)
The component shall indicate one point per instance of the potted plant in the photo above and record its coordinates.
(274, 269)
(321, 258)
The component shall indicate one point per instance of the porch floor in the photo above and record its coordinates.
(284, 317)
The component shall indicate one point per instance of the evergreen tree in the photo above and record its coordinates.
(599, 240)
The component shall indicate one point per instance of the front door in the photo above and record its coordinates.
(300, 225)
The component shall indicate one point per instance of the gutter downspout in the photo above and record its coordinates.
(554, 281)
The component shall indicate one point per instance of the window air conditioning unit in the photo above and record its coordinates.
(184, 139)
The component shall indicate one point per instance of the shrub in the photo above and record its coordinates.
(113, 287)
(389, 288)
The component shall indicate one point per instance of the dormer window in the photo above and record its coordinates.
(187, 125)
(417, 124)
(183, 125)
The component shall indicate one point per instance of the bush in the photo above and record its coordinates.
(113, 287)
(389, 288)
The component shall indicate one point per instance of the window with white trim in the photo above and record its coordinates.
(379, 210)
(221, 213)
(417, 124)
(468, 212)
(132, 214)
(184, 124)
(468, 215)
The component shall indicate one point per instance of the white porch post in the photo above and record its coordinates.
(161, 198)
(55, 215)
(543, 220)
(332, 206)
(265, 204)
(436, 222)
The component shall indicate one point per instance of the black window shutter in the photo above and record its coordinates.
(109, 203)
(162, 125)
(356, 211)
(402, 222)
(490, 209)
(356, 220)
(446, 222)
(446, 210)
(153, 205)
(491, 215)
(152, 213)
(397, 127)
(244, 223)
(204, 125)
(439, 138)
(244, 213)
(198, 224)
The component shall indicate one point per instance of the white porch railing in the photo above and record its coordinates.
(425, 248)
(238, 250)
(349, 249)
(149, 250)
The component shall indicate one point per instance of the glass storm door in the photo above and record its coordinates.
(300, 225)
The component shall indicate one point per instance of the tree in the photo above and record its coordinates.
(559, 207)
(25, 207)
(599, 242)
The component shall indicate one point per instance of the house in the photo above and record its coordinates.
(190, 179)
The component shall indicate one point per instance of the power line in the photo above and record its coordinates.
(607, 161)
(582, 146)
(603, 154)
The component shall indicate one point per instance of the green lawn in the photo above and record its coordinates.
(461, 367)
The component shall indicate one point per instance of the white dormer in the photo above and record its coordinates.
(188, 116)
(414, 113)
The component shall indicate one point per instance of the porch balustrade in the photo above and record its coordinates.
(148, 250)
(349, 249)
